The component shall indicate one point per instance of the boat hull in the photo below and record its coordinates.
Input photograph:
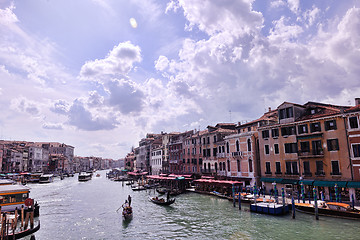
(162, 203)
(329, 212)
(269, 208)
(24, 233)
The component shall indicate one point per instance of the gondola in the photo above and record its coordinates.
(138, 188)
(161, 201)
(162, 190)
(127, 213)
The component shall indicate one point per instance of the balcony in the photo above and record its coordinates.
(307, 174)
(335, 173)
(221, 155)
(237, 154)
(313, 154)
(320, 174)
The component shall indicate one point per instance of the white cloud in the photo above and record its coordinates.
(53, 126)
(25, 105)
(161, 63)
(212, 17)
(310, 16)
(294, 6)
(7, 16)
(277, 3)
(125, 96)
(119, 61)
(283, 33)
(83, 119)
(60, 107)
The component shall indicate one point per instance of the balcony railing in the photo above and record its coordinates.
(320, 173)
(237, 154)
(312, 154)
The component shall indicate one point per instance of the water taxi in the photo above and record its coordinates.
(46, 178)
(84, 176)
(13, 196)
(34, 177)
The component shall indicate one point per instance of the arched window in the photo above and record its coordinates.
(228, 163)
(227, 147)
(215, 167)
(250, 165)
(209, 167)
(205, 167)
(238, 165)
(249, 145)
(237, 146)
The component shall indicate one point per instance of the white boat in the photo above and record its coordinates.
(46, 178)
(84, 176)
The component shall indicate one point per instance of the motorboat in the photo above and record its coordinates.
(46, 178)
(84, 176)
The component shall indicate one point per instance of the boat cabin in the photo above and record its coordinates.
(13, 196)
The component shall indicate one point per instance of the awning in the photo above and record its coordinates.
(309, 136)
(277, 180)
(307, 182)
(353, 184)
(330, 183)
(290, 181)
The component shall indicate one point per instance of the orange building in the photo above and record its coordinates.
(307, 146)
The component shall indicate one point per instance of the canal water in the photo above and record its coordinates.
(87, 210)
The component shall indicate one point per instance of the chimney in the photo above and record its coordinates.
(357, 101)
(269, 109)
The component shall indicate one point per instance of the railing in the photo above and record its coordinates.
(236, 154)
(312, 154)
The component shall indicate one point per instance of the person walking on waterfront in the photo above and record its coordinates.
(129, 200)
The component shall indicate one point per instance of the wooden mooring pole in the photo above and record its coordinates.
(293, 207)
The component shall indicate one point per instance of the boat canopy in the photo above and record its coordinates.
(137, 173)
(217, 181)
(13, 188)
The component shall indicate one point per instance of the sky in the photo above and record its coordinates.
(100, 74)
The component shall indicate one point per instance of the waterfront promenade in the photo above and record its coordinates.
(87, 210)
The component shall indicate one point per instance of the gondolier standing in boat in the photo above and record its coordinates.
(129, 200)
(168, 196)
